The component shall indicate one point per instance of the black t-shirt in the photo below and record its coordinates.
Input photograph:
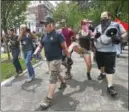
(14, 42)
(52, 45)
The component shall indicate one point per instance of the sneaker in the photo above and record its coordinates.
(118, 55)
(29, 79)
(20, 72)
(16, 75)
(101, 77)
(63, 85)
(46, 103)
(68, 76)
(111, 90)
(88, 76)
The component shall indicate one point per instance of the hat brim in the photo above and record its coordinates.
(43, 21)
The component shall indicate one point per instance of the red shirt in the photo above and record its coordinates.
(68, 34)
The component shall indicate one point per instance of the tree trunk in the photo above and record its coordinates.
(7, 47)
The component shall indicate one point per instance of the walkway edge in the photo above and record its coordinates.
(13, 77)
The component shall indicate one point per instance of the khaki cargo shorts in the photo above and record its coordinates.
(83, 50)
(54, 68)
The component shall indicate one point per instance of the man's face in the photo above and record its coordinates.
(23, 29)
(48, 27)
(11, 33)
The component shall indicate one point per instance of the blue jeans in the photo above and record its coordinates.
(15, 54)
(27, 57)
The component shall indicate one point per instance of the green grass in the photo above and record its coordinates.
(4, 56)
(8, 69)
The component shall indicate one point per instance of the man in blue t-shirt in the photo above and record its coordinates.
(53, 43)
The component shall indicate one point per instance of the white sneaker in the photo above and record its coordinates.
(29, 79)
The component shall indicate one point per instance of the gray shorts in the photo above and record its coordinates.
(54, 68)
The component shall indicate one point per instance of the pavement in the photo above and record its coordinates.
(80, 94)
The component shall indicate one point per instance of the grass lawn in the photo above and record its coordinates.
(8, 69)
(4, 56)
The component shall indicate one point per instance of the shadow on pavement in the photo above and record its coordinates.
(30, 87)
(68, 103)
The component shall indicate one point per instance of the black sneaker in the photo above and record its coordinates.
(101, 77)
(62, 85)
(46, 103)
(68, 76)
(111, 90)
(88, 76)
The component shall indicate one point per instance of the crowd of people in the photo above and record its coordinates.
(59, 44)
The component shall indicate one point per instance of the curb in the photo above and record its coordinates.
(13, 77)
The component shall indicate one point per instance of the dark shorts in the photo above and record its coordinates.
(107, 60)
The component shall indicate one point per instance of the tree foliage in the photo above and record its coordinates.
(12, 15)
(75, 11)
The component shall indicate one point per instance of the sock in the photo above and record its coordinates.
(103, 73)
(109, 79)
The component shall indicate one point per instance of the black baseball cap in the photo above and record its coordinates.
(47, 20)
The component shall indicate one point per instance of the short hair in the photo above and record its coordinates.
(23, 26)
(11, 29)
(107, 13)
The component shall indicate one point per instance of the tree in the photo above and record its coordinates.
(13, 14)
(75, 11)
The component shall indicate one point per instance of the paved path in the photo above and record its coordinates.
(80, 94)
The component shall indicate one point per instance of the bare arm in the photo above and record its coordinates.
(39, 48)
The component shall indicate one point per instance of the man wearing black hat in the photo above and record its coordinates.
(53, 43)
(107, 36)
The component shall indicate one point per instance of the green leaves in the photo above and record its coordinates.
(13, 12)
(75, 11)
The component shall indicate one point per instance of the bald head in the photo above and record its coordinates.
(105, 15)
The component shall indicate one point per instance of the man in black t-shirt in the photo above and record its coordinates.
(14, 45)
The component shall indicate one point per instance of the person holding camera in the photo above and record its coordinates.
(53, 43)
(15, 49)
(107, 36)
(26, 38)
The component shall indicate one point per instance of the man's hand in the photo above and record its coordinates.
(69, 61)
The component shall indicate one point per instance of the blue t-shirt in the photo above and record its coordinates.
(52, 45)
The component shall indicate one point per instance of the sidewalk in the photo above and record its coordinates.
(80, 94)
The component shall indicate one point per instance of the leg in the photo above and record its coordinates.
(87, 58)
(109, 69)
(14, 55)
(100, 63)
(29, 66)
(55, 72)
(18, 63)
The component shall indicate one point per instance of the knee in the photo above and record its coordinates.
(53, 77)
(27, 62)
